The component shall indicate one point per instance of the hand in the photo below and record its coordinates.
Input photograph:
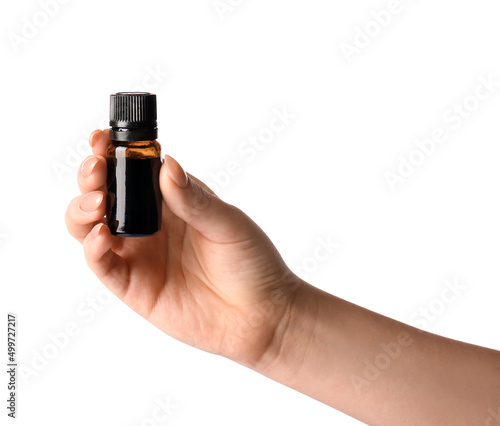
(210, 278)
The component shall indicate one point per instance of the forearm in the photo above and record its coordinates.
(379, 370)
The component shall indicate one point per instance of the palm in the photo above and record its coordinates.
(202, 292)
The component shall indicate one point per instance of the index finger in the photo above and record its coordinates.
(99, 140)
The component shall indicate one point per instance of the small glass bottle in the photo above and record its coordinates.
(134, 161)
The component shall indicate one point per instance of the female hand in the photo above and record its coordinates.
(210, 278)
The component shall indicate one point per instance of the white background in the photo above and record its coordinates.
(218, 77)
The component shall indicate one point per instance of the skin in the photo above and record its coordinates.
(211, 278)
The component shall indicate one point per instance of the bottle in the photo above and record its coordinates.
(134, 160)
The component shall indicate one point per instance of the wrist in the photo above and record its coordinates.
(294, 334)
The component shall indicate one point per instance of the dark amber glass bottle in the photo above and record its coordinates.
(134, 161)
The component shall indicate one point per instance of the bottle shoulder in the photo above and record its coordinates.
(134, 149)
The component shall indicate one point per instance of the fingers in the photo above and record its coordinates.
(89, 209)
(93, 171)
(108, 266)
(84, 212)
(99, 140)
(91, 175)
(192, 201)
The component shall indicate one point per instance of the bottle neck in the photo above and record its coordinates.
(131, 134)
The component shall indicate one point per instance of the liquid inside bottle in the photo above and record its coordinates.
(134, 196)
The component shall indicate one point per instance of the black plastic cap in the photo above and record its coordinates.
(132, 116)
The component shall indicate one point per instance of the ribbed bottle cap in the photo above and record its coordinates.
(132, 116)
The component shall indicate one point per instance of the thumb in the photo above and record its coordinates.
(193, 201)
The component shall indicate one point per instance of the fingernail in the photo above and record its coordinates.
(97, 230)
(94, 136)
(88, 165)
(176, 172)
(90, 202)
